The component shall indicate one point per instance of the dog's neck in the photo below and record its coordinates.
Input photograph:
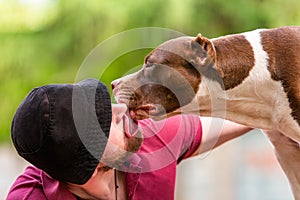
(234, 59)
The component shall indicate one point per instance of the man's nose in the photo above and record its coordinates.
(115, 83)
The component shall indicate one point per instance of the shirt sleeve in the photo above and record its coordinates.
(34, 184)
(27, 186)
(192, 136)
(171, 139)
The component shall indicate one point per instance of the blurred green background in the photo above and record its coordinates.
(45, 41)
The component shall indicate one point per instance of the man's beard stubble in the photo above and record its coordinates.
(114, 157)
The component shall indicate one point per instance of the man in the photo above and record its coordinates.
(82, 147)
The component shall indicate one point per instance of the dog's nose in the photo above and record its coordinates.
(115, 83)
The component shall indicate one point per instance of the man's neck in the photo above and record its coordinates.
(112, 186)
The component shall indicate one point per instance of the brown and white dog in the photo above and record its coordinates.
(250, 78)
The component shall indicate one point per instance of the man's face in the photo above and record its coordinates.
(124, 138)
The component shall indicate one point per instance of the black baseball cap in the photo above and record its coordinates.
(63, 128)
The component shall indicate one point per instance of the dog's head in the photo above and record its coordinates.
(169, 79)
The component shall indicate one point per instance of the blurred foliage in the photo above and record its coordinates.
(44, 41)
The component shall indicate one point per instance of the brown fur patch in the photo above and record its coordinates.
(235, 58)
(283, 48)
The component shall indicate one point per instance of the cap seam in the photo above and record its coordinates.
(38, 149)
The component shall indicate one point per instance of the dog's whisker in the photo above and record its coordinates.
(124, 94)
(128, 89)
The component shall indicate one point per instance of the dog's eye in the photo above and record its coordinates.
(165, 62)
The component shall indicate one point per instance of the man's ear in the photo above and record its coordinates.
(207, 45)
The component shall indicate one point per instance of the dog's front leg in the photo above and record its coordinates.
(288, 154)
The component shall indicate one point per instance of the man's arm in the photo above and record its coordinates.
(218, 131)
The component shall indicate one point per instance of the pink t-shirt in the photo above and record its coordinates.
(151, 173)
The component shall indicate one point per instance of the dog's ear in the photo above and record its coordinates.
(207, 45)
(211, 57)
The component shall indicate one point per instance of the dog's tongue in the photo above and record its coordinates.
(130, 125)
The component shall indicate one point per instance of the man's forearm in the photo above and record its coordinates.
(231, 131)
(213, 136)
